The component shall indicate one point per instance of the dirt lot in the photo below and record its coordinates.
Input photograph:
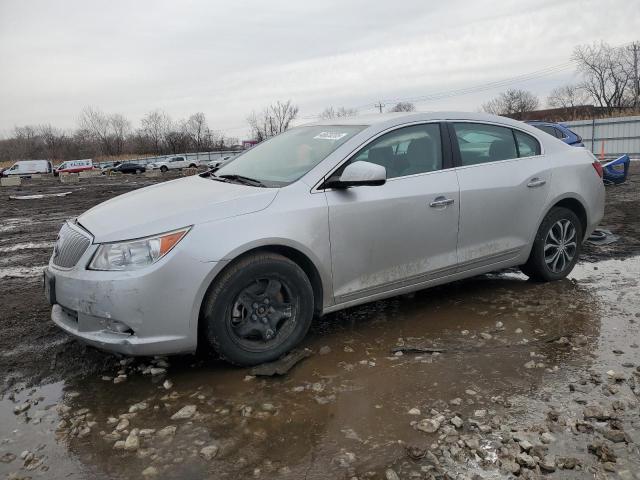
(526, 379)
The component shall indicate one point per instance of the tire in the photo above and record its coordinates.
(243, 327)
(193, 165)
(560, 227)
(163, 169)
(137, 172)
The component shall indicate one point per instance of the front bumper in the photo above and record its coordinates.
(151, 311)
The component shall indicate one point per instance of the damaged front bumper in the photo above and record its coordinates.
(151, 311)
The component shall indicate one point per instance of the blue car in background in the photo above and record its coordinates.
(559, 131)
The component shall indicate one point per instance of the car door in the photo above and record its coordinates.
(403, 232)
(504, 183)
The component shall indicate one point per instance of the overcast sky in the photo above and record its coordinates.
(229, 58)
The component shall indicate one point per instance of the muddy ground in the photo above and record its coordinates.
(525, 379)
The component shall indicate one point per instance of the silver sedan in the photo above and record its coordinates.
(317, 219)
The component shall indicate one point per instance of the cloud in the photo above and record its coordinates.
(229, 59)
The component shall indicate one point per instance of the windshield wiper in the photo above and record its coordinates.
(242, 179)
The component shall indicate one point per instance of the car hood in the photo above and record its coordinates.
(171, 205)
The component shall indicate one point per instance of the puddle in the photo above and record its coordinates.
(345, 411)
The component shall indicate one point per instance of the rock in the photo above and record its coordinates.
(132, 443)
(415, 453)
(122, 425)
(120, 379)
(595, 411)
(509, 466)
(457, 422)
(525, 460)
(167, 431)
(8, 457)
(464, 332)
(390, 474)
(154, 371)
(525, 445)
(546, 437)
(167, 384)
(470, 392)
(150, 472)
(616, 376)
(518, 331)
(324, 350)
(209, 452)
(18, 409)
(602, 451)
(616, 436)
(136, 407)
(567, 463)
(530, 364)
(184, 413)
(499, 325)
(119, 445)
(428, 425)
(580, 340)
(456, 401)
(146, 432)
(414, 411)
(486, 336)
(548, 464)
(480, 413)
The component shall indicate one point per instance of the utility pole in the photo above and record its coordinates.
(636, 82)
(379, 105)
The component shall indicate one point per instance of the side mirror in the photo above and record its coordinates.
(359, 174)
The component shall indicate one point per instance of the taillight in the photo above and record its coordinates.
(596, 164)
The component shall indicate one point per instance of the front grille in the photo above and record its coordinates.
(71, 244)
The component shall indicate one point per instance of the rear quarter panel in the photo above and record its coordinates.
(574, 177)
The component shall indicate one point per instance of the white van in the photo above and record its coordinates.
(74, 166)
(26, 168)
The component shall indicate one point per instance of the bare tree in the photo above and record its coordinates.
(154, 126)
(403, 107)
(512, 103)
(198, 131)
(96, 124)
(119, 131)
(341, 112)
(53, 140)
(607, 74)
(177, 137)
(568, 97)
(273, 120)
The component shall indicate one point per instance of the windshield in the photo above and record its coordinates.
(285, 158)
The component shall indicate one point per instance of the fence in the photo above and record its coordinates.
(614, 136)
(197, 158)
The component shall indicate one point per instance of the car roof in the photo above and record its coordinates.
(407, 117)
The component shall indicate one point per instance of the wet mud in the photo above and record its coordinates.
(519, 379)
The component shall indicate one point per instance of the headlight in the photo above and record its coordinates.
(135, 254)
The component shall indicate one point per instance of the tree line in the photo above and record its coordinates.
(103, 134)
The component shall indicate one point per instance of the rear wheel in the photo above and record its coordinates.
(163, 169)
(193, 165)
(259, 309)
(556, 247)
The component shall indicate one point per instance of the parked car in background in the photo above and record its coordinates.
(173, 163)
(26, 168)
(317, 219)
(74, 166)
(127, 167)
(560, 131)
(219, 162)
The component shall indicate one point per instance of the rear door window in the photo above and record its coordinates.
(527, 145)
(482, 143)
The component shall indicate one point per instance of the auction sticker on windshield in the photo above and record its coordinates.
(330, 135)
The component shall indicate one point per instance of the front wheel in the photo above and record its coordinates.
(163, 169)
(556, 247)
(260, 308)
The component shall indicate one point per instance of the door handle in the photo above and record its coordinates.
(536, 182)
(441, 202)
